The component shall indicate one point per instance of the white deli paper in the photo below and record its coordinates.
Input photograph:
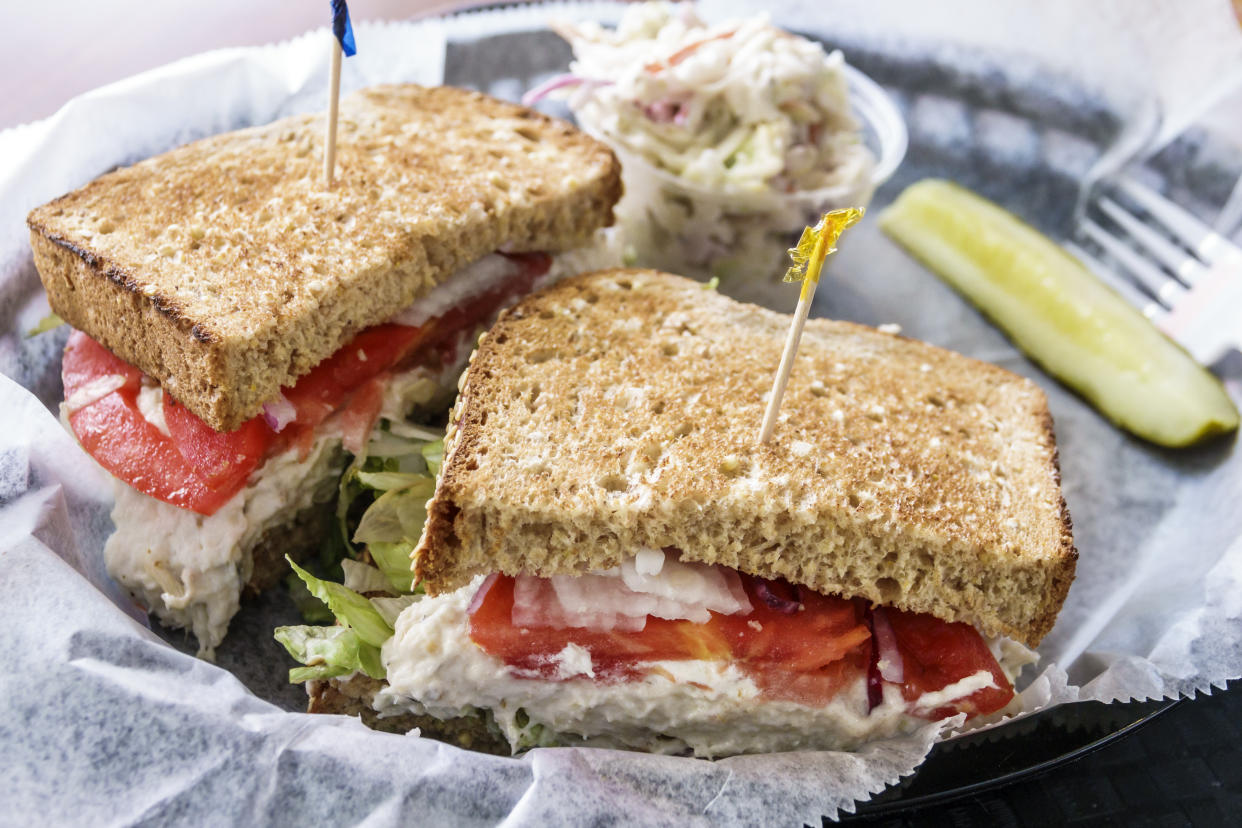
(101, 721)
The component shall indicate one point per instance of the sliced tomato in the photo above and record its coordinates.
(822, 632)
(937, 653)
(222, 459)
(806, 656)
(447, 328)
(358, 416)
(812, 643)
(198, 468)
(813, 689)
(85, 360)
(319, 393)
(114, 432)
(613, 654)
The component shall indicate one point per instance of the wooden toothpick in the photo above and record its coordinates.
(334, 96)
(814, 246)
(342, 46)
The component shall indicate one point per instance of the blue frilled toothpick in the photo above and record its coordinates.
(342, 45)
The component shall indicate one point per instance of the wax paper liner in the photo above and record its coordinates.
(101, 721)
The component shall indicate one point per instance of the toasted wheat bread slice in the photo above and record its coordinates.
(226, 270)
(355, 696)
(620, 409)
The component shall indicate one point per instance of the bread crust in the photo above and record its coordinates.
(226, 271)
(620, 409)
(355, 695)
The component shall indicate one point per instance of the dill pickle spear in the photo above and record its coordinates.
(1061, 315)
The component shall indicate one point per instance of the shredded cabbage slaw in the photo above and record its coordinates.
(730, 134)
(740, 106)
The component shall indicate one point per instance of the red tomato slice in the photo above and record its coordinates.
(200, 469)
(360, 413)
(447, 328)
(813, 689)
(824, 631)
(86, 360)
(319, 393)
(806, 656)
(614, 654)
(936, 654)
(195, 468)
(812, 643)
(223, 460)
(114, 432)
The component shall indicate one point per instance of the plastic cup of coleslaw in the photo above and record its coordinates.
(742, 237)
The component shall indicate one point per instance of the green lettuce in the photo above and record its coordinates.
(364, 578)
(393, 559)
(391, 608)
(312, 610)
(383, 493)
(47, 323)
(328, 652)
(383, 505)
(397, 515)
(350, 608)
(433, 455)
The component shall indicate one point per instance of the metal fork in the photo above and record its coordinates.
(1180, 273)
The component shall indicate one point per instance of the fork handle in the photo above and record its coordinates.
(1208, 320)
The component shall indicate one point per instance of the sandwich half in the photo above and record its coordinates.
(243, 334)
(610, 558)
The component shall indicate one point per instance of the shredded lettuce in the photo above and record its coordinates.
(47, 323)
(433, 454)
(393, 559)
(387, 481)
(397, 516)
(349, 607)
(382, 504)
(413, 432)
(399, 458)
(312, 610)
(364, 578)
(390, 608)
(328, 652)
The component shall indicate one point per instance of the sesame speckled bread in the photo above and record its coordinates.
(621, 409)
(225, 270)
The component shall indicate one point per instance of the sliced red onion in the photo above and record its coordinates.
(875, 686)
(663, 111)
(891, 667)
(785, 606)
(484, 588)
(541, 91)
(279, 413)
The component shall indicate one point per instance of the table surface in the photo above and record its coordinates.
(1184, 768)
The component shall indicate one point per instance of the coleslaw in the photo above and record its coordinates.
(730, 135)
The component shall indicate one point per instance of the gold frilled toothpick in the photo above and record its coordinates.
(808, 259)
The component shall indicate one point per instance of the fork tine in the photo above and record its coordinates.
(1165, 289)
(1206, 243)
(1148, 307)
(1184, 266)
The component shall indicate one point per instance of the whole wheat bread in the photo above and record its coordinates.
(226, 270)
(621, 409)
(355, 696)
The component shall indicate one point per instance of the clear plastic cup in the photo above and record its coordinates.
(670, 224)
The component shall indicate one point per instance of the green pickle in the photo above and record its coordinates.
(1061, 315)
